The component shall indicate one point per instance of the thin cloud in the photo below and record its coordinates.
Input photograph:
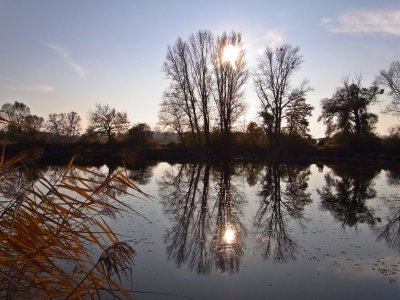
(325, 21)
(274, 37)
(366, 22)
(37, 88)
(67, 57)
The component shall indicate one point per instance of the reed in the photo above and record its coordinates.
(55, 242)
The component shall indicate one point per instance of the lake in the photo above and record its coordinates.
(257, 230)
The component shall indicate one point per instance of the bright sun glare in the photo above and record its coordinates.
(230, 54)
(229, 236)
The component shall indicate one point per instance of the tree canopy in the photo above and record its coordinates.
(107, 120)
(347, 110)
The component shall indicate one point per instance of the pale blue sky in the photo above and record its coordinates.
(58, 56)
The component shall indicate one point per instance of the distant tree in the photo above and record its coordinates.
(57, 124)
(271, 79)
(34, 122)
(296, 114)
(347, 110)
(106, 120)
(140, 134)
(172, 117)
(254, 135)
(269, 124)
(73, 124)
(230, 76)
(16, 113)
(391, 80)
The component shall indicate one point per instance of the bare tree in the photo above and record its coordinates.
(172, 117)
(272, 83)
(391, 80)
(229, 79)
(56, 124)
(187, 66)
(201, 46)
(64, 125)
(73, 124)
(177, 69)
(106, 120)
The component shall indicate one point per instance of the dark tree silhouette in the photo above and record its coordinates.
(106, 120)
(140, 135)
(229, 79)
(198, 73)
(271, 78)
(187, 99)
(347, 110)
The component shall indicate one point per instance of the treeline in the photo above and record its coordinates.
(106, 124)
(204, 103)
(205, 98)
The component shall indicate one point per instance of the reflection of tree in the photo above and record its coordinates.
(14, 181)
(345, 196)
(229, 232)
(194, 206)
(390, 232)
(187, 206)
(393, 177)
(252, 172)
(278, 205)
(141, 173)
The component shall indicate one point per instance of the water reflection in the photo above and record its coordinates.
(206, 229)
(142, 173)
(280, 203)
(345, 194)
(390, 231)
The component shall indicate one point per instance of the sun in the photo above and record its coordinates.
(230, 54)
(229, 236)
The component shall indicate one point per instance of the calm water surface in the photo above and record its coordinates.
(258, 230)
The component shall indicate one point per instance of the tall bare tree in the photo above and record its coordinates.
(391, 80)
(177, 68)
(201, 47)
(271, 78)
(229, 78)
(106, 120)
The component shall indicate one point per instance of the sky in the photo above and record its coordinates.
(62, 56)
